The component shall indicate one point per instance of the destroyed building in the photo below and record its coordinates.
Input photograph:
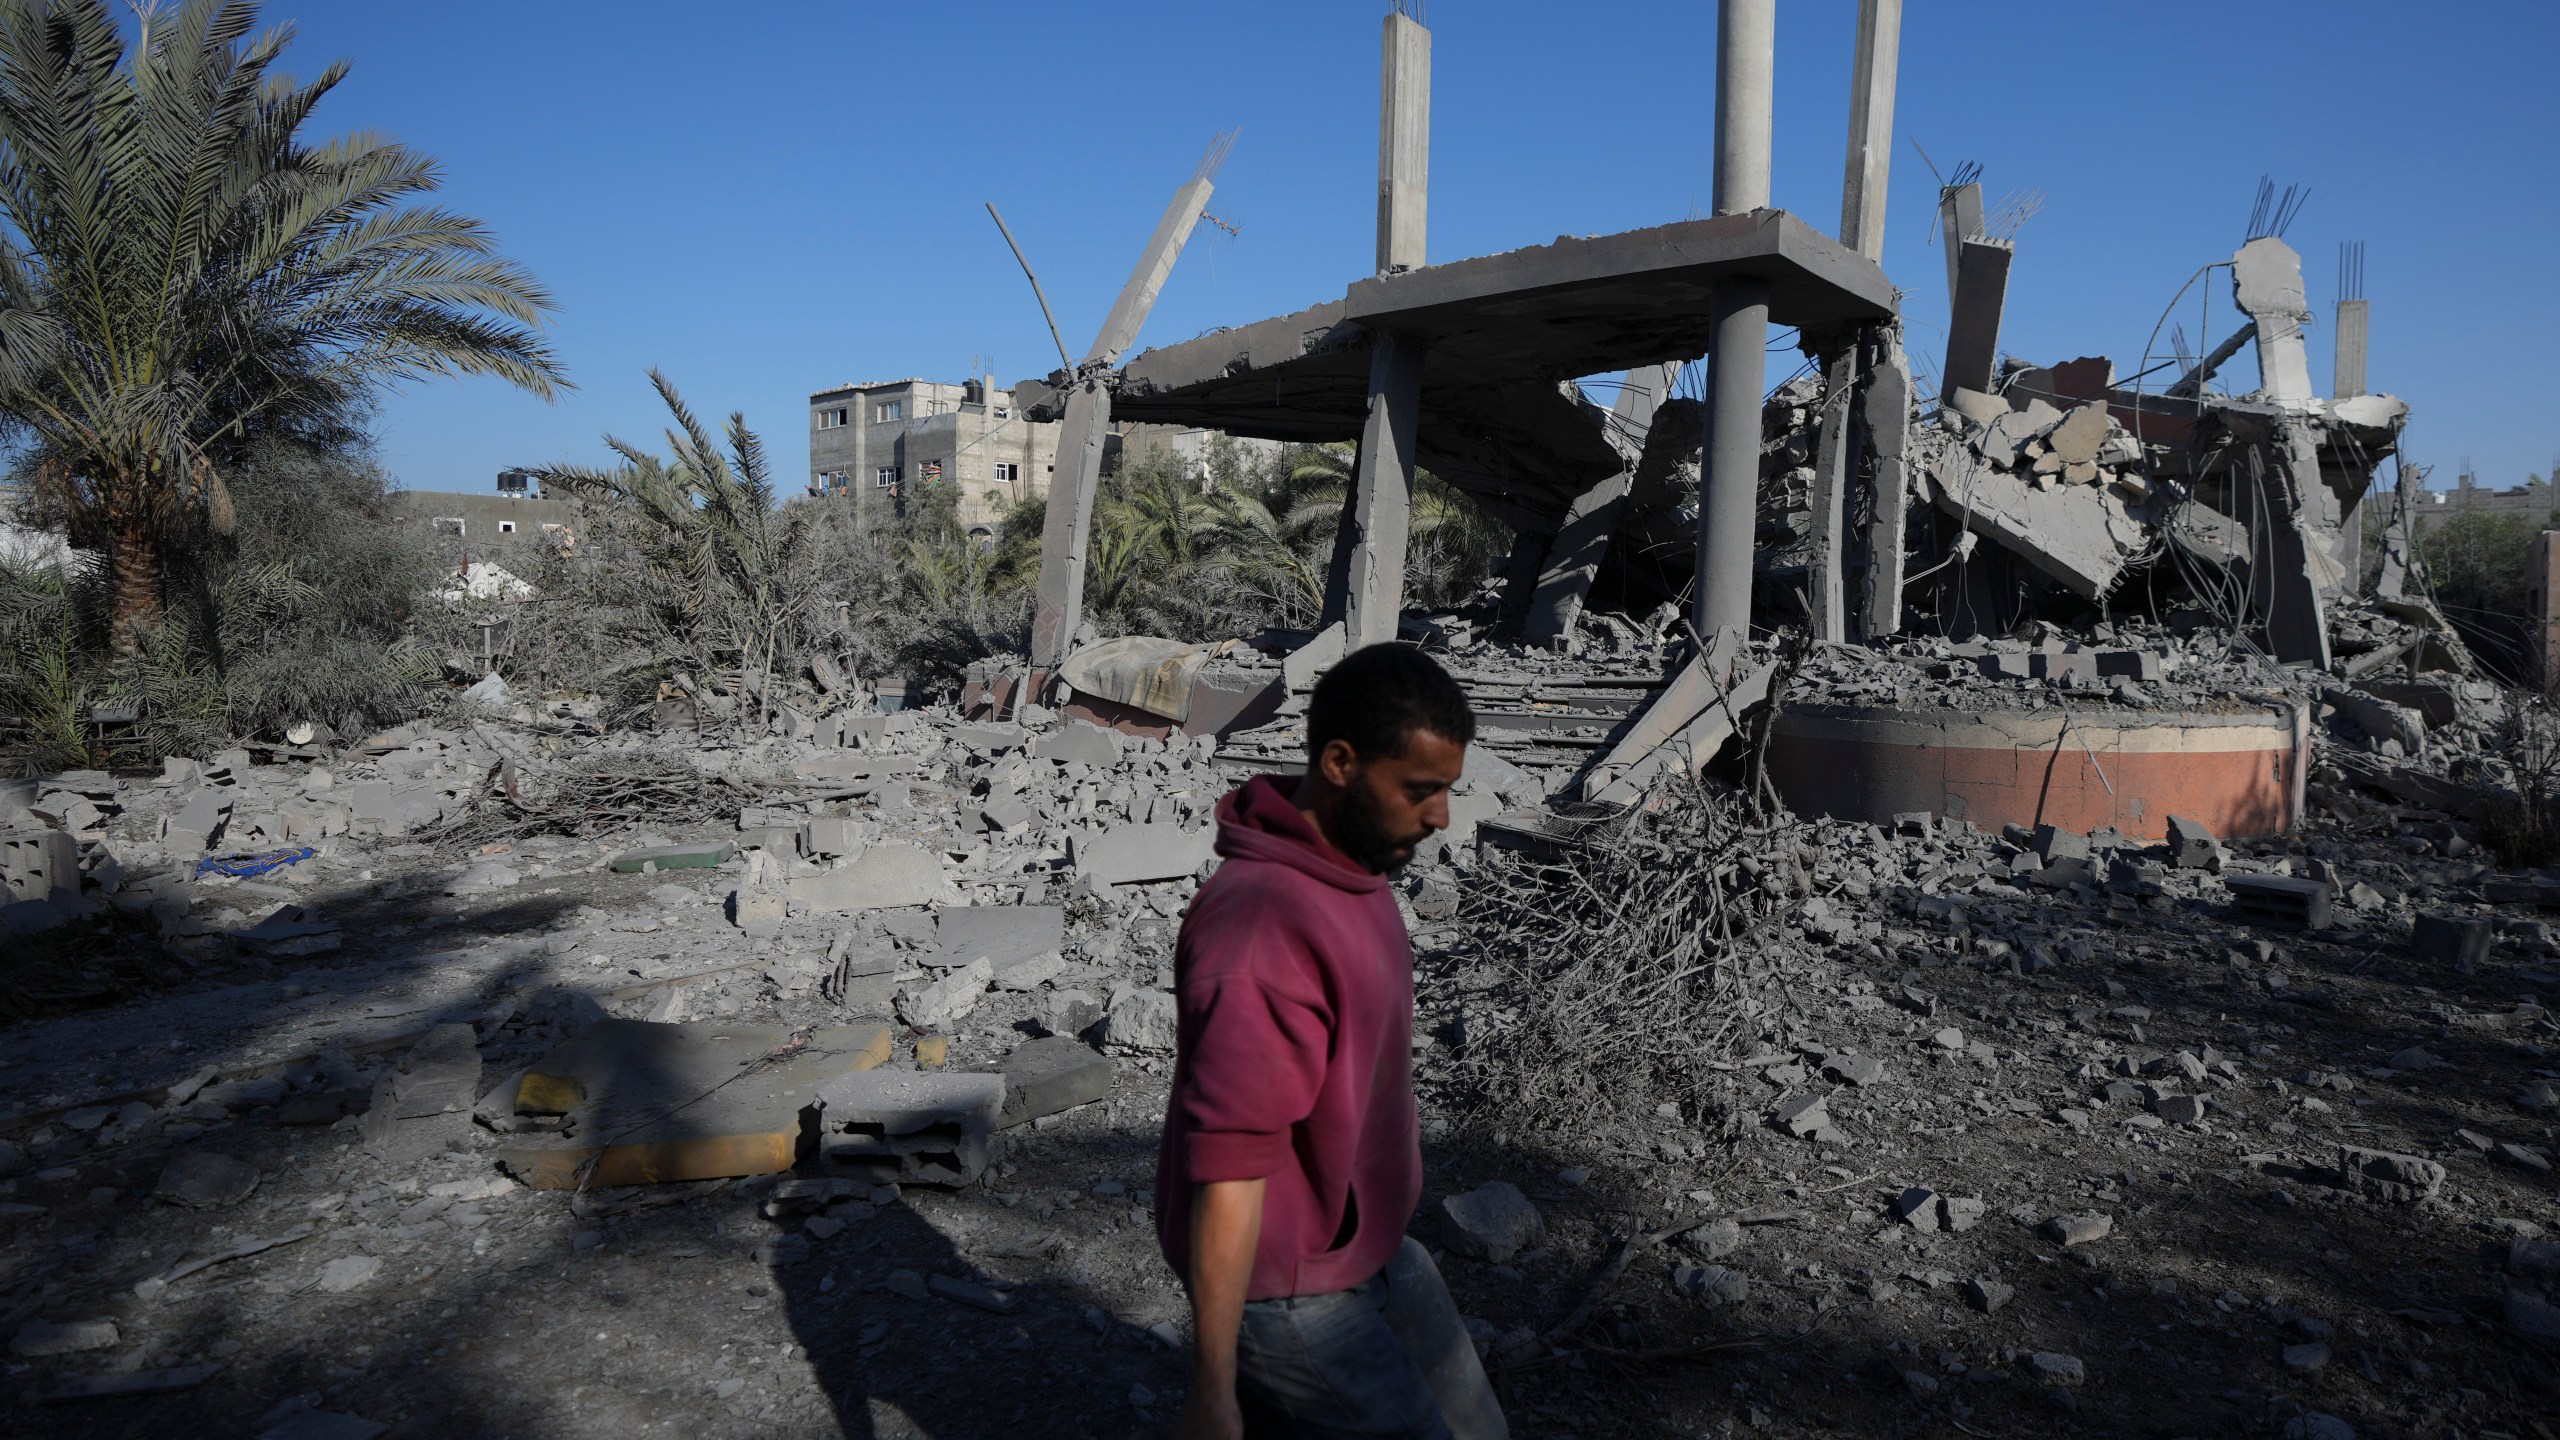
(2121, 1027)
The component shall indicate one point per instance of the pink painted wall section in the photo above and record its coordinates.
(2239, 775)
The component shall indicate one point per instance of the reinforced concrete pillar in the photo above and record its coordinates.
(1404, 143)
(2266, 282)
(1862, 189)
(1835, 450)
(1887, 407)
(1973, 326)
(1746, 91)
(2353, 318)
(1381, 515)
(1728, 492)
(1959, 220)
(1068, 526)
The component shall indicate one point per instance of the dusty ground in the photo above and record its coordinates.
(505, 1312)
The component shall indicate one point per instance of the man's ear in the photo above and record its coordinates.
(1338, 762)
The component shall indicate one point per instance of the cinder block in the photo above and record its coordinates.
(910, 1126)
(2453, 939)
(1046, 1076)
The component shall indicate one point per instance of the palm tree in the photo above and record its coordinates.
(727, 570)
(182, 275)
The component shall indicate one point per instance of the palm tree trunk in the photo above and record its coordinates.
(136, 564)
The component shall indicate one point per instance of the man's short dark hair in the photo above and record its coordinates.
(1377, 697)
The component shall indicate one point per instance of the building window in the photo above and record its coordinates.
(451, 524)
(506, 527)
(884, 478)
(1007, 473)
(1004, 412)
(889, 410)
(928, 472)
(832, 419)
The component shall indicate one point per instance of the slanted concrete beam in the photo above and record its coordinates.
(1068, 526)
(1381, 517)
(1973, 327)
(1887, 407)
(1404, 144)
(1573, 560)
(1862, 189)
(2193, 382)
(2353, 320)
(2266, 281)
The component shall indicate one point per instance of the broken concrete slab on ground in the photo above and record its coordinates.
(632, 1102)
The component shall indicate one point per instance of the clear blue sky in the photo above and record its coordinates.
(766, 199)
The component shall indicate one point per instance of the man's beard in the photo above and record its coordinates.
(1360, 833)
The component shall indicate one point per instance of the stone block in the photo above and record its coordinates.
(2458, 940)
(830, 835)
(669, 1102)
(205, 1179)
(2382, 1175)
(2283, 899)
(884, 876)
(910, 1126)
(1141, 1020)
(1046, 1076)
(1079, 743)
(708, 855)
(948, 999)
(423, 1107)
(1139, 854)
(1005, 936)
(1067, 1012)
(1007, 814)
(2191, 845)
(2082, 1229)
(1492, 1222)
(757, 912)
(2053, 843)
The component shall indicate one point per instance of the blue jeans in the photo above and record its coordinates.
(1378, 1361)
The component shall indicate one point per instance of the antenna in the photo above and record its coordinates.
(1054, 337)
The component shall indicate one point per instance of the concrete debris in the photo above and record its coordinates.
(1142, 853)
(1493, 1222)
(910, 1128)
(2381, 1175)
(1050, 1076)
(423, 1106)
(1141, 1020)
(37, 1340)
(204, 1179)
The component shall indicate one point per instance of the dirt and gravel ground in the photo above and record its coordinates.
(2244, 1285)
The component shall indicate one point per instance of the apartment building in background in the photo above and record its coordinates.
(882, 443)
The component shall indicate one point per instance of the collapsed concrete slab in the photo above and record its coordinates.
(645, 1103)
(1138, 854)
(2081, 536)
(423, 1107)
(884, 876)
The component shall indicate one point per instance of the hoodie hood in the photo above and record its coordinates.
(1261, 821)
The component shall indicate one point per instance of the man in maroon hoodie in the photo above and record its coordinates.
(1291, 1160)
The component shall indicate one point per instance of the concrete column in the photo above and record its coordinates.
(1068, 526)
(1862, 189)
(1520, 575)
(1887, 411)
(1973, 326)
(1728, 493)
(2353, 318)
(2266, 282)
(1572, 562)
(1746, 89)
(1959, 220)
(1404, 143)
(2542, 602)
(1346, 533)
(1835, 452)
(2290, 568)
(1155, 263)
(1382, 495)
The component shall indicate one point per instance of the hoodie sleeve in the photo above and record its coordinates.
(1257, 1062)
